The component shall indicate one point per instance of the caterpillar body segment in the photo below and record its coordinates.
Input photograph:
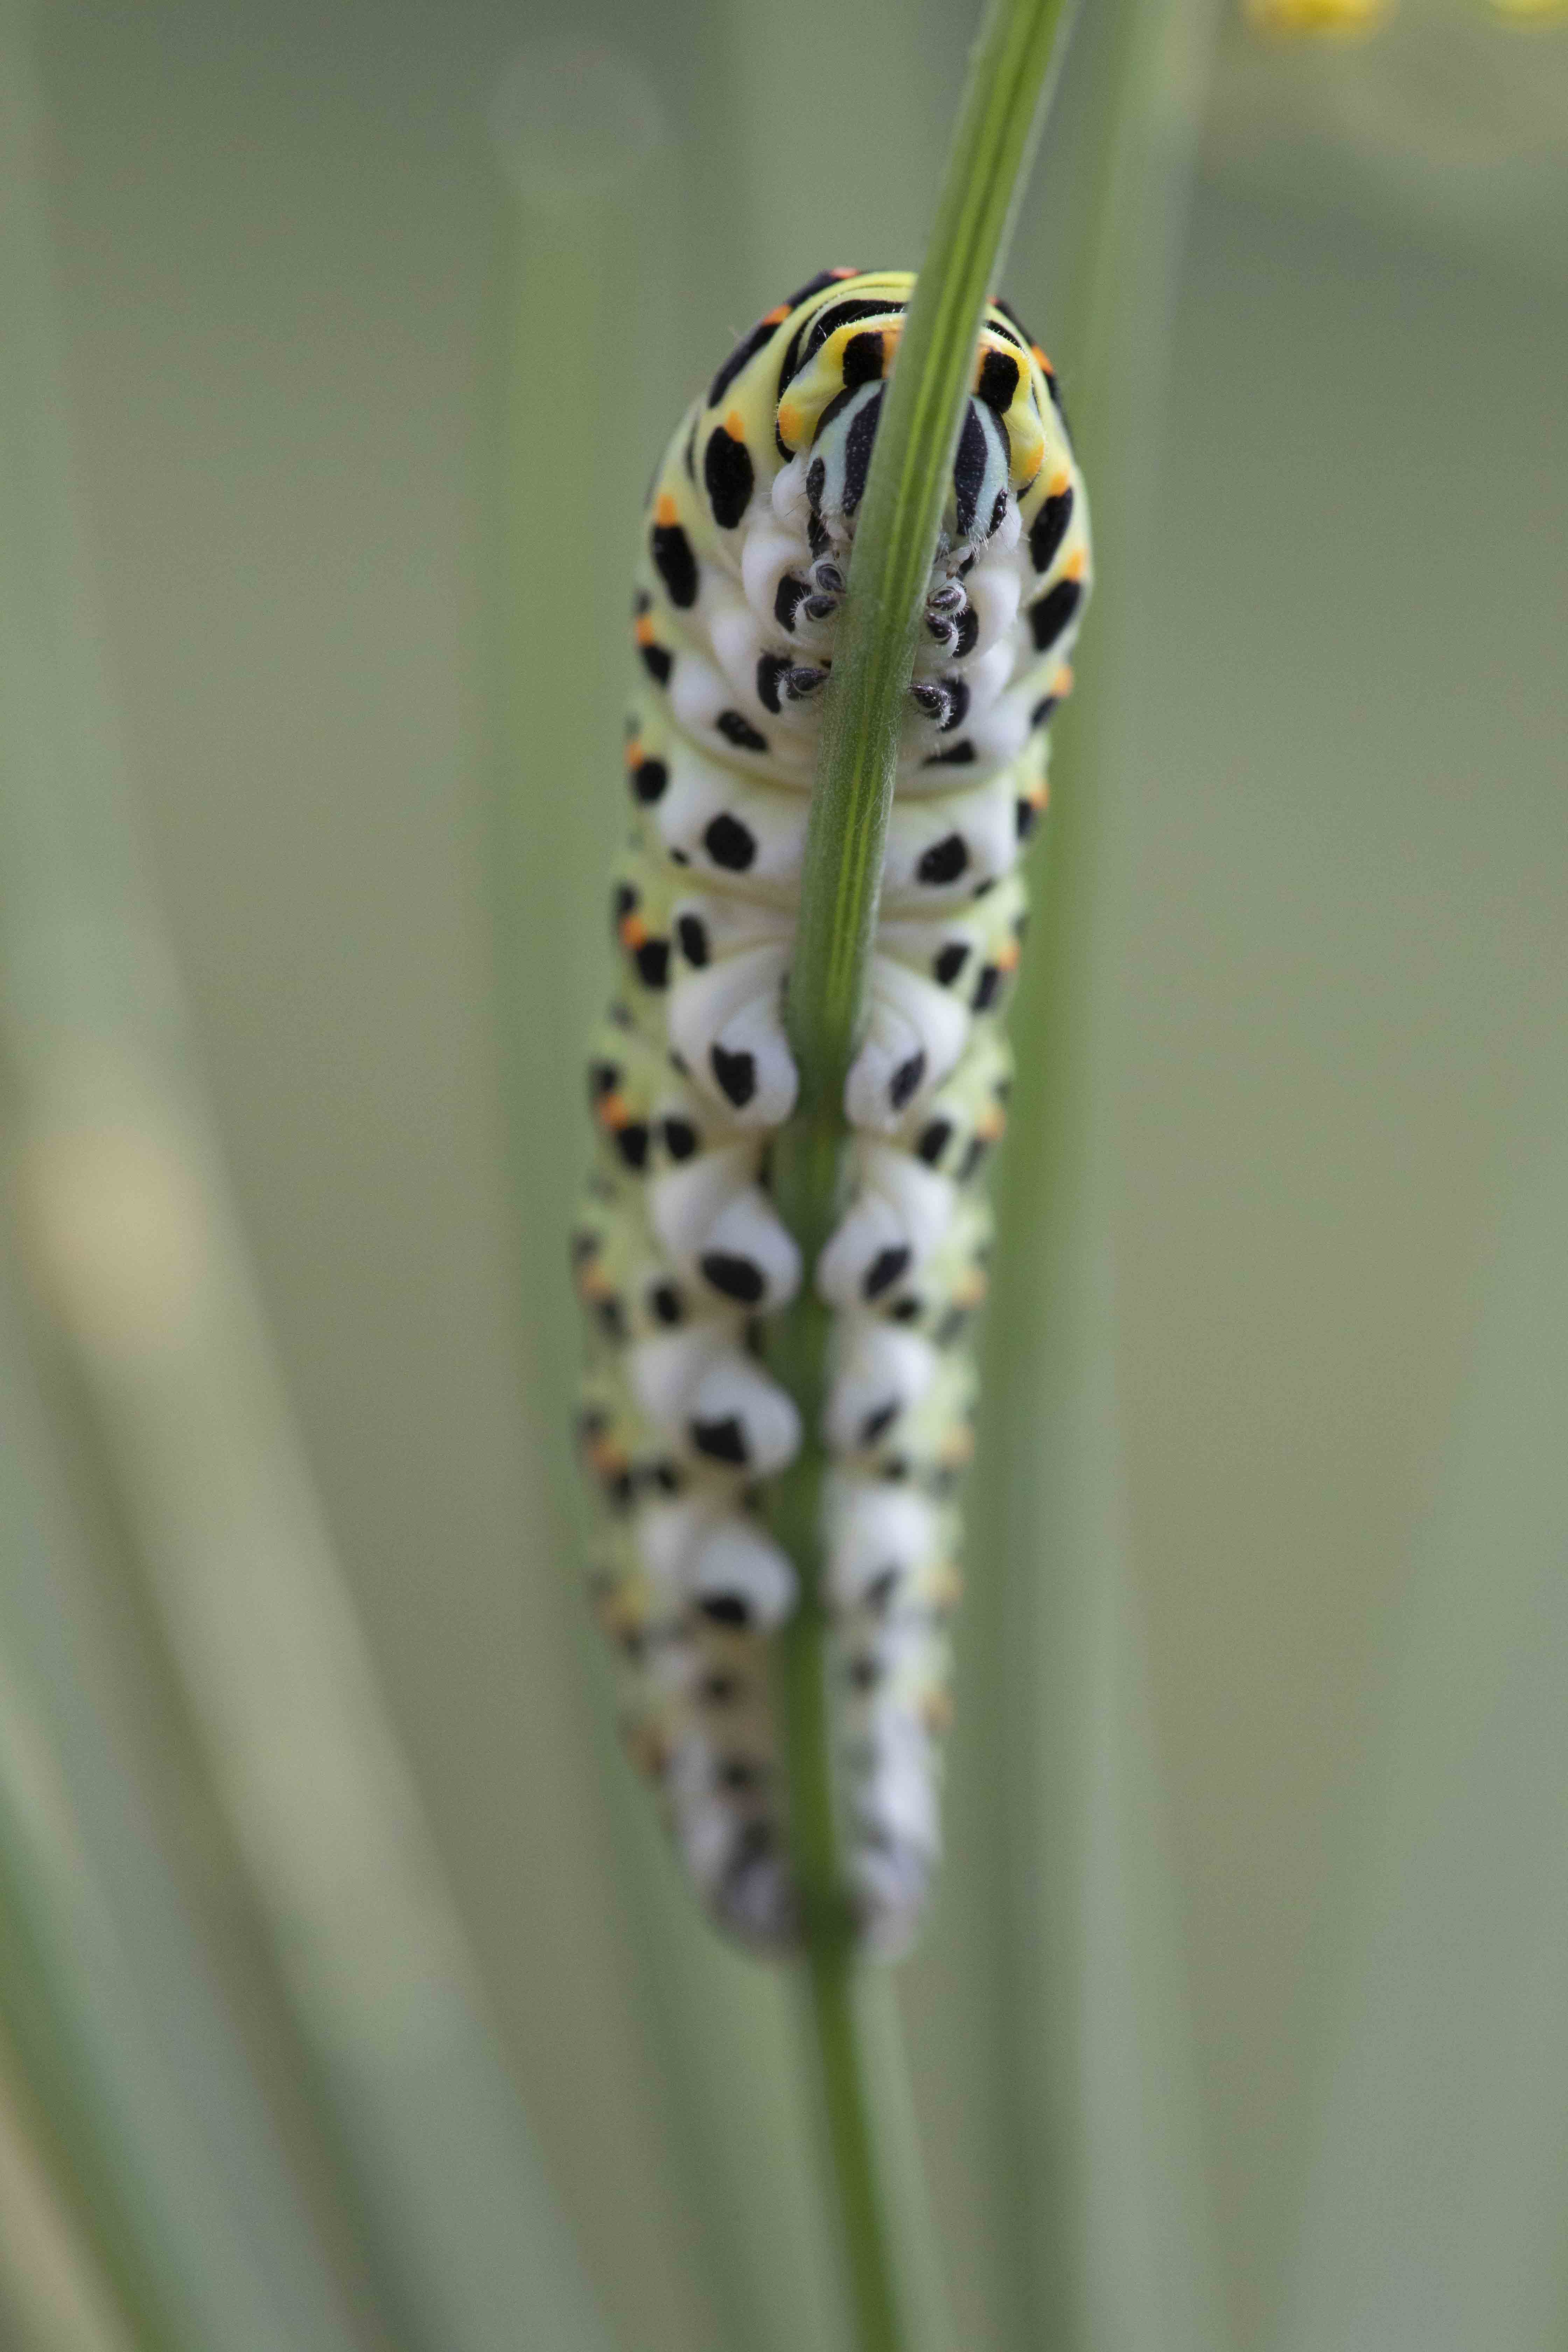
(678, 1253)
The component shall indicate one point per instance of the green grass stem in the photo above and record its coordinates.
(894, 547)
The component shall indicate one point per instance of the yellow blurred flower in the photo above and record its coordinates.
(1319, 19)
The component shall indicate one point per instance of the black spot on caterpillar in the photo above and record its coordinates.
(738, 730)
(944, 861)
(675, 564)
(1049, 529)
(728, 475)
(736, 1074)
(1050, 613)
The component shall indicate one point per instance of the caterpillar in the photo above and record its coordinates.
(679, 1255)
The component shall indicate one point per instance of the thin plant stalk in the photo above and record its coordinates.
(894, 548)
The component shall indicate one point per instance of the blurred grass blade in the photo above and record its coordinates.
(107, 2131)
(124, 2082)
(124, 1218)
(713, 2184)
(53, 2295)
(1435, 2214)
(1107, 2153)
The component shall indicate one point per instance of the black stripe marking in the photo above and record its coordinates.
(998, 381)
(864, 360)
(746, 349)
(750, 345)
(969, 470)
(858, 443)
(835, 407)
(834, 315)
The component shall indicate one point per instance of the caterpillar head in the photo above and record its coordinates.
(832, 420)
(827, 419)
(832, 387)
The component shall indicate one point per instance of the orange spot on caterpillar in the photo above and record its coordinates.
(647, 1751)
(633, 752)
(735, 425)
(1073, 569)
(1060, 480)
(615, 1605)
(776, 317)
(789, 422)
(1041, 359)
(666, 511)
(1007, 956)
(936, 1713)
(613, 1110)
(947, 1588)
(1062, 682)
(633, 931)
(991, 1124)
(642, 632)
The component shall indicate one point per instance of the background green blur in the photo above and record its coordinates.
(369, 309)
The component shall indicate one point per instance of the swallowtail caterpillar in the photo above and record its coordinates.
(678, 1253)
